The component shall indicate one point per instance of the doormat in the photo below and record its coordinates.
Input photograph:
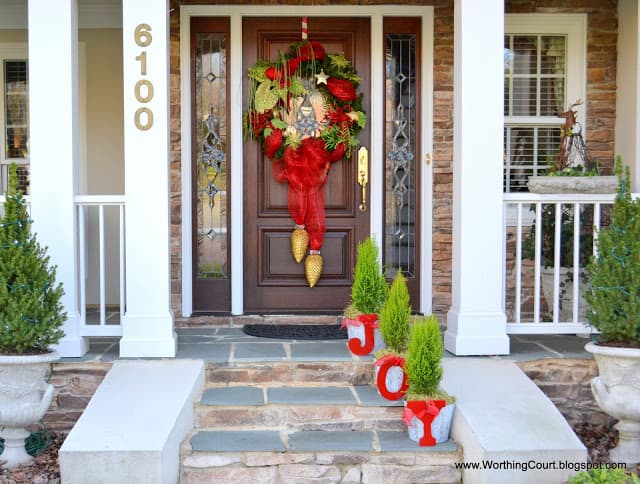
(296, 331)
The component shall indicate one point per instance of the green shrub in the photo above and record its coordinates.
(369, 288)
(31, 313)
(614, 295)
(424, 359)
(395, 315)
(604, 476)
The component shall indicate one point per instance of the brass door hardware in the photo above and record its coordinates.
(363, 175)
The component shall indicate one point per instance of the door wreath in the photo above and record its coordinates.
(304, 110)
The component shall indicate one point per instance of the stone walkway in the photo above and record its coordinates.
(232, 345)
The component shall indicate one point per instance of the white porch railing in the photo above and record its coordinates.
(101, 264)
(542, 277)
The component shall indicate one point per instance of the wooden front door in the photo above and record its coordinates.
(273, 281)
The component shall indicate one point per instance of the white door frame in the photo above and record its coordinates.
(375, 117)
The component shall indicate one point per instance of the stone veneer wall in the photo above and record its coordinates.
(75, 384)
(601, 100)
(567, 383)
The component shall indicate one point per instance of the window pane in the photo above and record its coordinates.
(551, 97)
(524, 97)
(525, 52)
(400, 150)
(211, 88)
(552, 55)
(528, 151)
(15, 101)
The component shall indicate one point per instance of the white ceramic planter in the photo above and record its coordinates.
(25, 397)
(617, 392)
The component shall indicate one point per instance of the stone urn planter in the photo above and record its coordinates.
(25, 397)
(617, 392)
(572, 184)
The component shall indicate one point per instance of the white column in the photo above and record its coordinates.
(148, 322)
(476, 324)
(53, 146)
(628, 80)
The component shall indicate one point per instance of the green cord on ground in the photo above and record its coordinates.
(36, 443)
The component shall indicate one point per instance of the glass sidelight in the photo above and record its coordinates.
(401, 146)
(210, 166)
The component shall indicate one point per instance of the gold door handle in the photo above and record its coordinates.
(363, 175)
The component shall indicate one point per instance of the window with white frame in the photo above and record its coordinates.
(14, 118)
(544, 72)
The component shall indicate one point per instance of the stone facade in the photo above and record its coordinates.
(567, 383)
(75, 384)
(600, 123)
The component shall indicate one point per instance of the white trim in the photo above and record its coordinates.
(426, 204)
(235, 13)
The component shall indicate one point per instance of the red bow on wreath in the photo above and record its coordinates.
(304, 110)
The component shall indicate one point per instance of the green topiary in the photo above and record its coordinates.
(424, 359)
(369, 288)
(31, 313)
(395, 315)
(614, 295)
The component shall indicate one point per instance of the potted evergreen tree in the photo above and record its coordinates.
(614, 299)
(368, 292)
(31, 316)
(428, 409)
(395, 317)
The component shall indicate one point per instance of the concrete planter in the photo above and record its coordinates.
(24, 399)
(617, 392)
(572, 184)
(423, 426)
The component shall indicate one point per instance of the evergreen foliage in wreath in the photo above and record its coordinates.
(305, 111)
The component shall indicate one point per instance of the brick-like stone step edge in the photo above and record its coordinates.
(359, 372)
(309, 408)
(304, 417)
(414, 464)
(338, 472)
(240, 321)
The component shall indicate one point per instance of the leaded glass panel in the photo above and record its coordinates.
(400, 154)
(211, 160)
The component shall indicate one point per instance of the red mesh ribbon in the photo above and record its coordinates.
(369, 319)
(425, 411)
(341, 89)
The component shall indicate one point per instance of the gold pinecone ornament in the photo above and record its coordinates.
(299, 243)
(313, 268)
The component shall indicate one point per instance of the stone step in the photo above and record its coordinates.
(351, 371)
(377, 456)
(240, 321)
(297, 408)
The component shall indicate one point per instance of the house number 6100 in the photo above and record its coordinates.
(143, 89)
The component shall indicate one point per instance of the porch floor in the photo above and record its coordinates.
(221, 345)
